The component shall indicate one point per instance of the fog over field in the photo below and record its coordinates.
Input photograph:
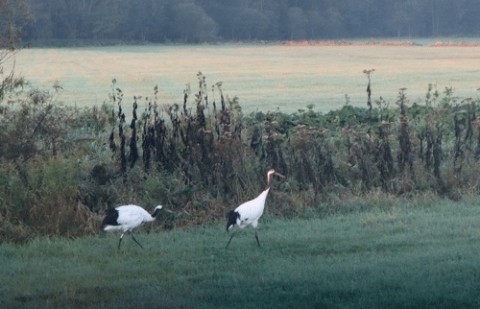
(264, 77)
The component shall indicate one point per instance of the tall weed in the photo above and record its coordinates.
(204, 156)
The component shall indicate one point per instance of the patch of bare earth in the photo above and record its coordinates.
(455, 44)
(382, 43)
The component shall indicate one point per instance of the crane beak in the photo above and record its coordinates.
(279, 175)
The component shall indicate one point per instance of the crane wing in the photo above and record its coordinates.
(252, 210)
(132, 216)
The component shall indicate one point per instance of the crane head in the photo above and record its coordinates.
(157, 210)
(272, 172)
(160, 208)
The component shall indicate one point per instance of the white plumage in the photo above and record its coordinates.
(250, 212)
(126, 218)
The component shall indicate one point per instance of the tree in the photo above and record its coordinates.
(250, 24)
(333, 24)
(297, 23)
(194, 21)
(13, 16)
(192, 24)
(29, 123)
(409, 18)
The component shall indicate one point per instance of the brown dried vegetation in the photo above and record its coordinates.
(61, 168)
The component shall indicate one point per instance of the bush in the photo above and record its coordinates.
(46, 205)
(204, 157)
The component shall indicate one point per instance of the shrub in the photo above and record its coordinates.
(204, 156)
(46, 204)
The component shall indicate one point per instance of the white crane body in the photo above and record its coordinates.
(129, 217)
(249, 213)
(126, 218)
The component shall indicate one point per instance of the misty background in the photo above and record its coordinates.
(198, 21)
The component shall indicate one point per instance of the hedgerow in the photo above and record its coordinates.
(61, 167)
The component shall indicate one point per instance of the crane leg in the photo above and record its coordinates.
(136, 241)
(256, 237)
(228, 243)
(120, 240)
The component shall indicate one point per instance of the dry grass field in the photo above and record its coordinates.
(264, 77)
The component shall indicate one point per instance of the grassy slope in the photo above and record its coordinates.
(401, 257)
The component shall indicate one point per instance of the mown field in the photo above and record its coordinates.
(380, 209)
(392, 256)
(264, 77)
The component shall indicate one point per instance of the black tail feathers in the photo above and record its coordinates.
(232, 217)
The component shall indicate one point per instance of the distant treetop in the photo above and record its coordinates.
(197, 21)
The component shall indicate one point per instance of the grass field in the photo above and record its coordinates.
(264, 77)
(396, 257)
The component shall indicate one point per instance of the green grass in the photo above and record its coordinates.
(401, 257)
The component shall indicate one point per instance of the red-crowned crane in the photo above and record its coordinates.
(126, 218)
(250, 212)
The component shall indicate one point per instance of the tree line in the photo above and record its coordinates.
(196, 21)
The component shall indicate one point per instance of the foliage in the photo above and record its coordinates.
(204, 156)
(14, 16)
(197, 21)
